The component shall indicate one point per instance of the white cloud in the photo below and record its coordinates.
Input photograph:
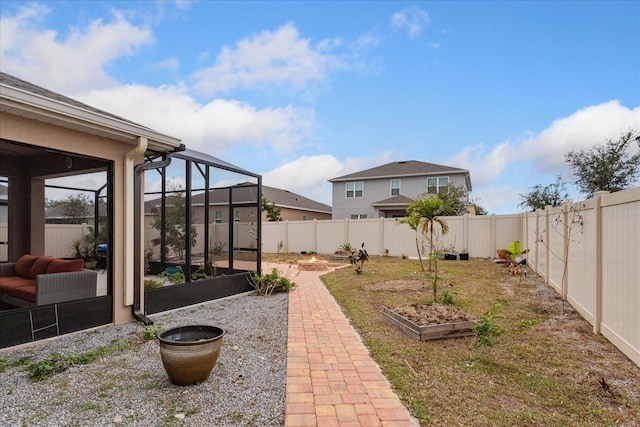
(412, 19)
(498, 199)
(268, 58)
(545, 151)
(217, 126)
(28, 50)
(540, 155)
(484, 168)
(309, 175)
(583, 129)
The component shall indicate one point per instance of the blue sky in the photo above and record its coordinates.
(302, 92)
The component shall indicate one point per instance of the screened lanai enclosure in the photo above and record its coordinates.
(201, 229)
(196, 225)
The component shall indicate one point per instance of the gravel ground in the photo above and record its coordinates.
(131, 388)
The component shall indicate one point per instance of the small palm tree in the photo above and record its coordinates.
(413, 221)
(429, 209)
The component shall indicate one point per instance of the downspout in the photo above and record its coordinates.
(136, 309)
(129, 215)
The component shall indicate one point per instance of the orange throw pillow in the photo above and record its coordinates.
(40, 266)
(64, 266)
(23, 265)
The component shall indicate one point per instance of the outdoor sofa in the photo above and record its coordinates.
(33, 281)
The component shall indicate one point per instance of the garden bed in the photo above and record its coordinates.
(424, 322)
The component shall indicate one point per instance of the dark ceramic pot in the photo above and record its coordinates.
(189, 353)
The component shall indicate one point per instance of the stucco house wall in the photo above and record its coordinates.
(39, 134)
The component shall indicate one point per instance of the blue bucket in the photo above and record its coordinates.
(171, 270)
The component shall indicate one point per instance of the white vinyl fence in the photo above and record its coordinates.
(587, 251)
(480, 236)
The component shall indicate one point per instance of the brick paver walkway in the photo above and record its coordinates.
(331, 378)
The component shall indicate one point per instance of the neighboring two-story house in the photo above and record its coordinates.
(384, 191)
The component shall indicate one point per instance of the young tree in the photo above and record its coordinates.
(413, 221)
(429, 209)
(608, 167)
(175, 224)
(540, 196)
(273, 211)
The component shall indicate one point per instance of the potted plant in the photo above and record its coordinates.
(450, 254)
(515, 253)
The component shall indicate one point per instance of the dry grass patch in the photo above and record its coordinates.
(547, 369)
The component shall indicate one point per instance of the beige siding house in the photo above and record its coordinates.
(384, 191)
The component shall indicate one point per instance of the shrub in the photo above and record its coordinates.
(152, 284)
(487, 331)
(346, 247)
(271, 283)
(447, 297)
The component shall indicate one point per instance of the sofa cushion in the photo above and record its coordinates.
(9, 287)
(24, 264)
(27, 293)
(40, 266)
(64, 266)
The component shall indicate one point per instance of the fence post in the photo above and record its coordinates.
(381, 234)
(465, 232)
(314, 233)
(524, 231)
(565, 250)
(548, 244)
(346, 230)
(494, 245)
(597, 215)
(286, 236)
(537, 236)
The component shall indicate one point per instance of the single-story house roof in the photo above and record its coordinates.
(288, 199)
(246, 192)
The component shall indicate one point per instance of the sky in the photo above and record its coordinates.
(305, 91)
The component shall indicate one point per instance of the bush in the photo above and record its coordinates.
(152, 284)
(271, 283)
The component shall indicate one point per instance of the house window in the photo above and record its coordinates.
(395, 187)
(434, 184)
(236, 215)
(359, 216)
(217, 217)
(354, 189)
(304, 217)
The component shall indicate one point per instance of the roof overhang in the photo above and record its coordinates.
(36, 107)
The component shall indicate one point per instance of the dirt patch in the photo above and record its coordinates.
(432, 314)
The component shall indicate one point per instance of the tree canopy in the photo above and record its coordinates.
(609, 167)
(540, 196)
(175, 226)
(424, 213)
(453, 199)
(75, 208)
(273, 211)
